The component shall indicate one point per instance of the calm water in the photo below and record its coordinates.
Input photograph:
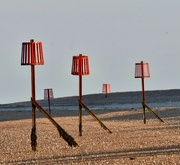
(118, 100)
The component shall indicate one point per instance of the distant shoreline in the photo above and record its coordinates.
(138, 93)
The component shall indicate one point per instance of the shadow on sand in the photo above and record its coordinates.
(99, 156)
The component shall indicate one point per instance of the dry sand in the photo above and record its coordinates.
(131, 141)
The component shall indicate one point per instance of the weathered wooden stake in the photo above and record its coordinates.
(143, 92)
(33, 131)
(142, 71)
(80, 66)
(70, 140)
(32, 54)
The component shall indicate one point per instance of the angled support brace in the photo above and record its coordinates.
(150, 110)
(93, 115)
(70, 140)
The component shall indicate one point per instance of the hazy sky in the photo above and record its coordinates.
(115, 34)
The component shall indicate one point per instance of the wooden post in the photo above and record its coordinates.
(80, 96)
(142, 71)
(32, 54)
(80, 67)
(143, 100)
(70, 140)
(143, 92)
(33, 131)
(106, 90)
(49, 102)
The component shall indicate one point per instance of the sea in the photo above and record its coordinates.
(99, 101)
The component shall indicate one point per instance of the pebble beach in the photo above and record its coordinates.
(131, 141)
